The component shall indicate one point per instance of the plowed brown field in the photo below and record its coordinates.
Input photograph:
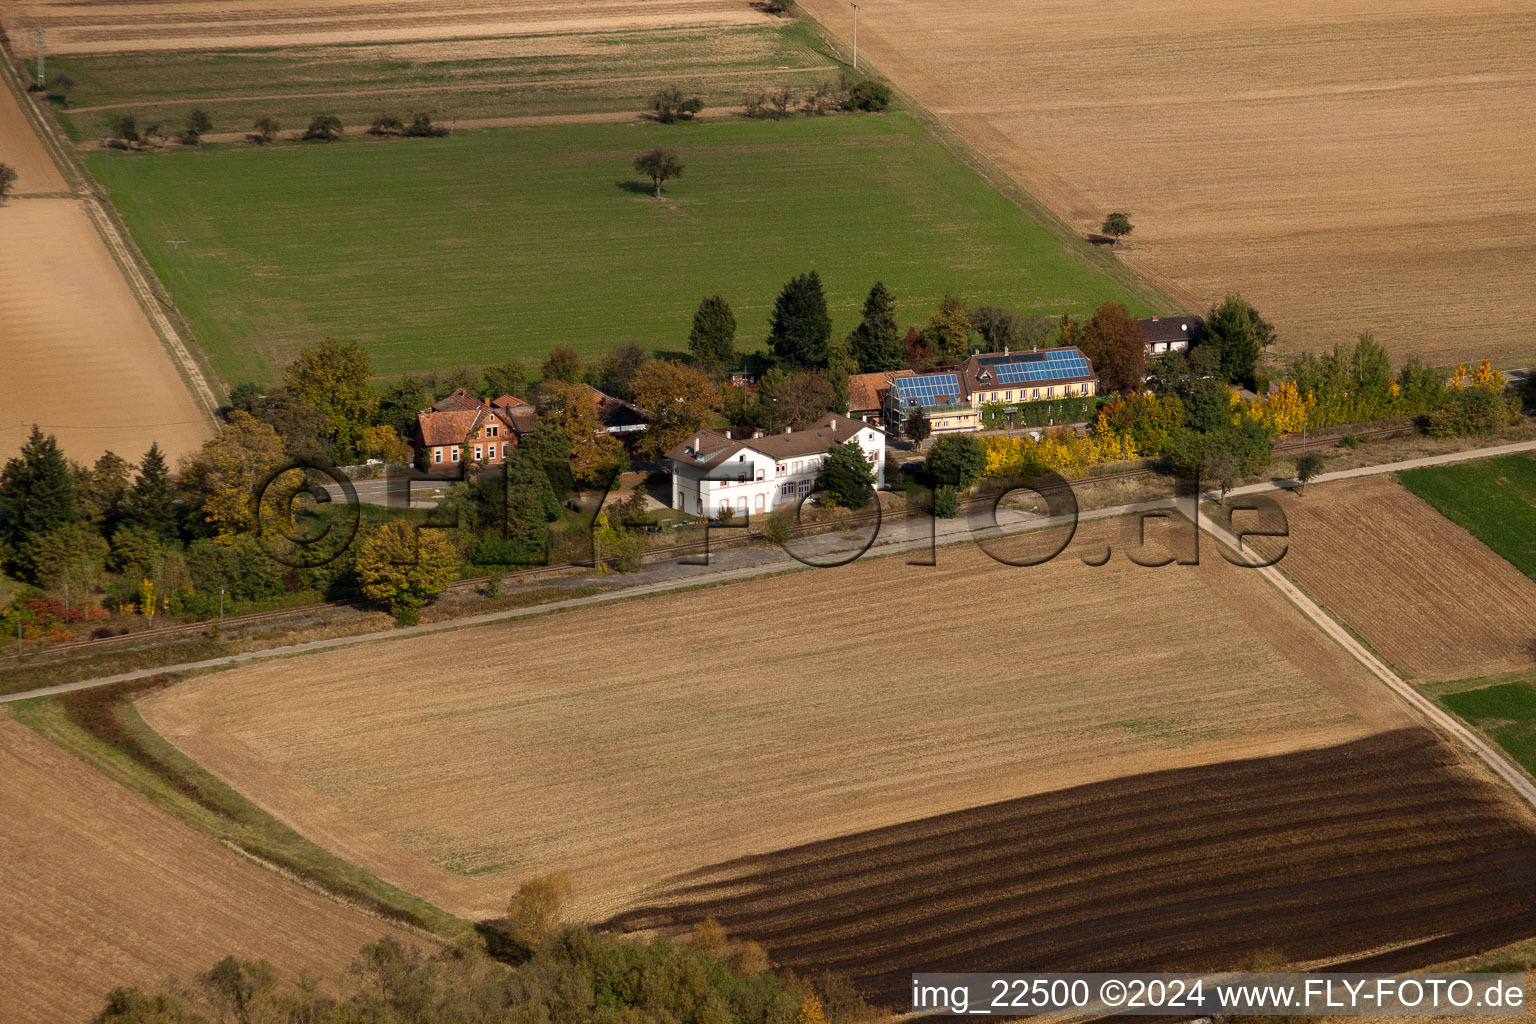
(121, 26)
(1427, 595)
(102, 889)
(1384, 852)
(1354, 165)
(625, 743)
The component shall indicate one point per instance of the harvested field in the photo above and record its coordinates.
(1428, 596)
(102, 889)
(24, 152)
(82, 360)
(455, 766)
(1384, 852)
(115, 26)
(1351, 166)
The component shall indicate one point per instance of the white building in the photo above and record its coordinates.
(755, 475)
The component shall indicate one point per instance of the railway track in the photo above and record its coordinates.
(724, 539)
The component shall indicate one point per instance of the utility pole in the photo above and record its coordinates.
(41, 80)
(175, 244)
(855, 35)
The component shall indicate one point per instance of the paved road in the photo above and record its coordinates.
(906, 536)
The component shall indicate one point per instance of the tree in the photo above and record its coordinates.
(124, 126)
(800, 326)
(267, 128)
(421, 127)
(1237, 331)
(508, 378)
(795, 399)
(386, 124)
(683, 399)
(7, 181)
(875, 343)
(595, 455)
(198, 124)
(780, 100)
(1117, 226)
(870, 96)
(919, 429)
(324, 127)
(103, 492)
(919, 350)
(151, 502)
(956, 460)
(669, 104)
(37, 495)
(712, 341)
(1219, 466)
(1118, 349)
(997, 326)
(949, 329)
(401, 566)
(660, 165)
(1308, 465)
(562, 364)
(224, 480)
(534, 914)
(550, 450)
(846, 475)
(334, 381)
(616, 371)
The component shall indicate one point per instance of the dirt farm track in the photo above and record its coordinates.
(1348, 165)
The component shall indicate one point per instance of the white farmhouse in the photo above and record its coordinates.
(755, 475)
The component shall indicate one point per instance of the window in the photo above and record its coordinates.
(437, 455)
(805, 487)
(788, 490)
(504, 449)
(454, 453)
(760, 503)
(741, 478)
(479, 453)
(782, 469)
(1007, 396)
(1037, 393)
(760, 474)
(491, 430)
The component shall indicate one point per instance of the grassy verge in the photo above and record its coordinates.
(103, 728)
(506, 242)
(1493, 499)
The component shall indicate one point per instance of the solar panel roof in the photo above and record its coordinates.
(929, 389)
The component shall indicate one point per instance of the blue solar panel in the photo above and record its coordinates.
(931, 389)
(1054, 364)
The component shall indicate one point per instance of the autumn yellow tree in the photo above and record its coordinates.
(811, 1011)
(1488, 378)
(401, 566)
(235, 470)
(682, 398)
(534, 914)
(570, 408)
(334, 380)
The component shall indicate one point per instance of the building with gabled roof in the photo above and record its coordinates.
(754, 475)
(616, 415)
(1167, 334)
(866, 392)
(462, 426)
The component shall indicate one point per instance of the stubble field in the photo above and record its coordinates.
(740, 721)
(1428, 596)
(82, 360)
(102, 889)
(1347, 166)
(114, 26)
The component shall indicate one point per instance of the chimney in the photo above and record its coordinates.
(727, 435)
(695, 444)
(786, 430)
(1005, 350)
(834, 422)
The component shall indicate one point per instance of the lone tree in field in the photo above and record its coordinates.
(713, 338)
(267, 128)
(1117, 226)
(670, 104)
(659, 165)
(7, 180)
(401, 566)
(325, 127)
(535, 913)
(1308, 465)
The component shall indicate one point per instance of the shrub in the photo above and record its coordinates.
(776, 528)
(871, 96)
(324, 127)
(1349, 441)
(946, 503)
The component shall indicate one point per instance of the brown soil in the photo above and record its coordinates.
(1383, 852)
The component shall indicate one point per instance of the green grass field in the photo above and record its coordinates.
(1505, 712)
(468, 78)
(497, 243)
(1493, 499)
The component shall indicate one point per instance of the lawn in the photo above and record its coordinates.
(505, 242)
(1505, 712)
(1493, 499)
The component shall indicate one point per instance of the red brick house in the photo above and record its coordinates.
(462, 426)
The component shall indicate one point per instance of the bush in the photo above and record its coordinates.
(871, 96)
(946, 503)
(956, 460)
(1349, 441)
(324, 127)
(776, 528)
